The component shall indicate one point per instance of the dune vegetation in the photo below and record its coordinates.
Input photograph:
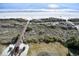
(53, 36)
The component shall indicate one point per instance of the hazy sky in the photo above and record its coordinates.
(53, 9)
(39, 6)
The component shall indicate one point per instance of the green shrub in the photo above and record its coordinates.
(32, 39)
(72, 42)
(28, 29)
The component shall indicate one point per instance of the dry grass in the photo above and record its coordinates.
(2, 47)
(51, 48)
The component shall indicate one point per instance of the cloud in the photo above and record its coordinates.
(58, 7)
(62, 10)
(41, 10)
(69, 10)
(53, 6)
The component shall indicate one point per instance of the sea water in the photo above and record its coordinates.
(36, 15)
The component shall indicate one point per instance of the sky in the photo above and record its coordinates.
(40, 6)
(45, 9)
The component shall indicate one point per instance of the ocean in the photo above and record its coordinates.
(36, 15)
